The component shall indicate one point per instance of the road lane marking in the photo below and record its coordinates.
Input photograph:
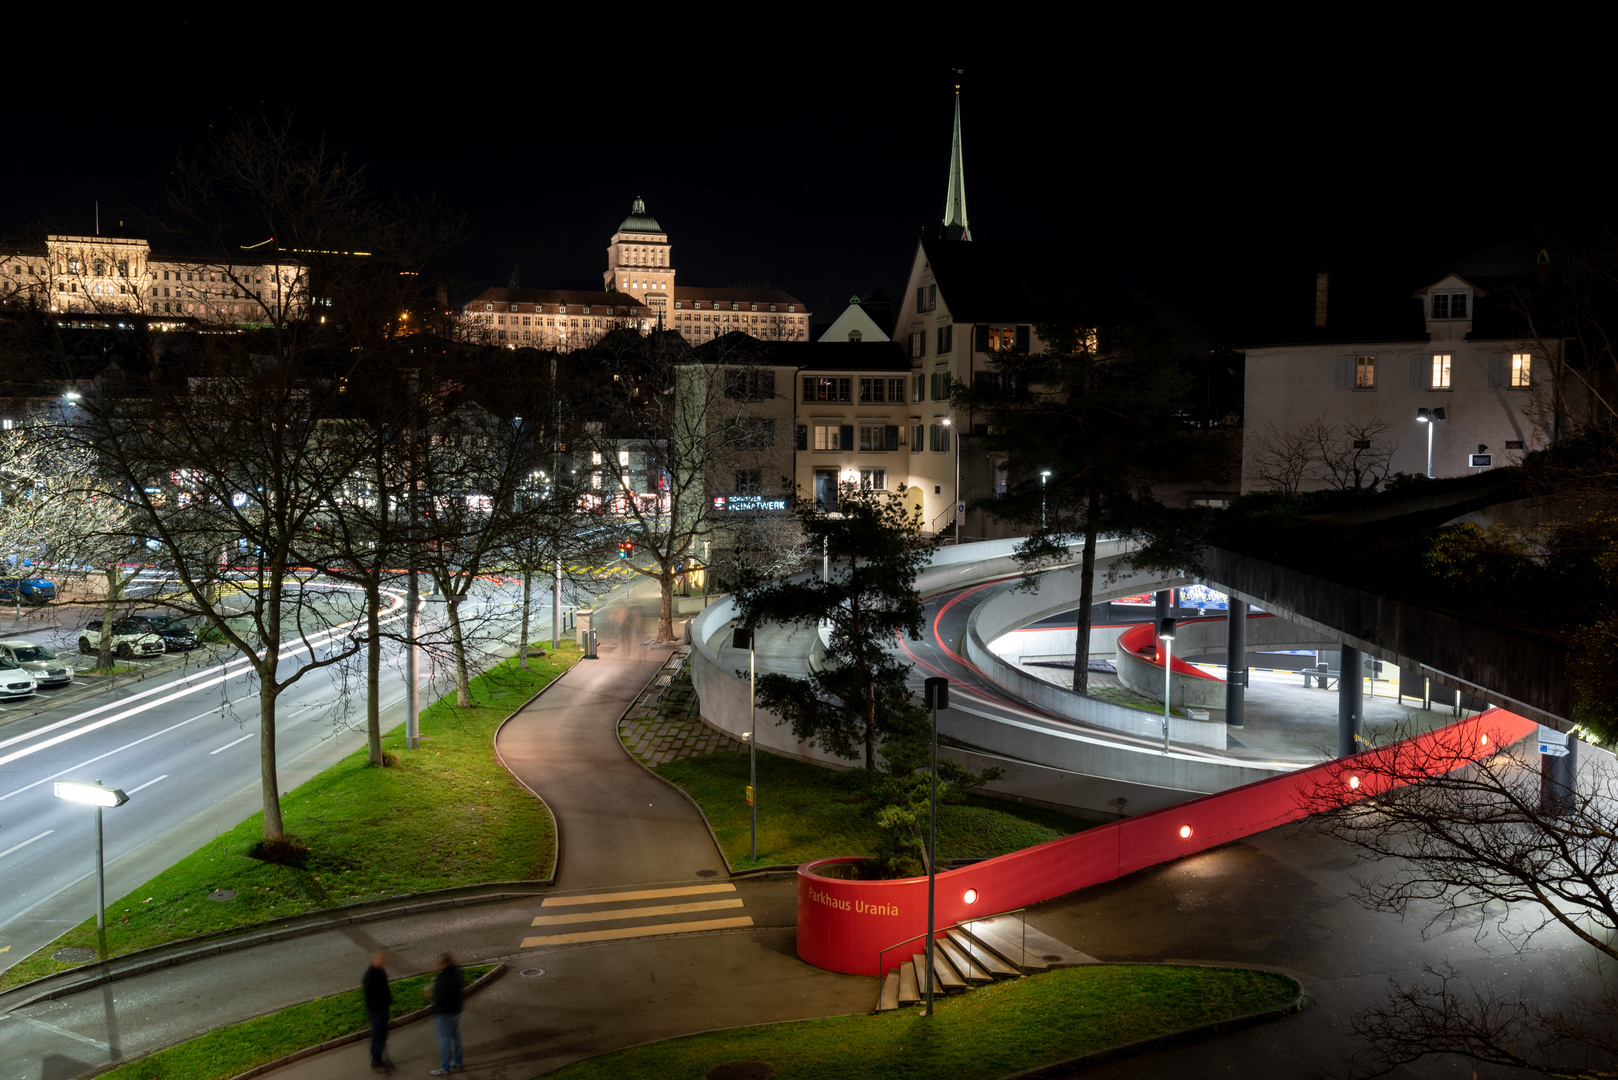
(228, 745)
(146, 785)
(639, 894)
(637, 931)
(635, 913)
(25, 843)
(109, 753)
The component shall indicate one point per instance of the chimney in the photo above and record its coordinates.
(1320, 299)
(1542, 266)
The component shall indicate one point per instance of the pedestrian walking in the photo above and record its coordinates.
(378, 999)
(446, 995)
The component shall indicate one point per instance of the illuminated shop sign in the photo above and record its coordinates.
(748, 502)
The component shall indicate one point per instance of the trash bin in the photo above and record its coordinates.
(583, 622)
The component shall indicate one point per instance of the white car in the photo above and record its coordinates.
(47, 668)
(128, 640)
(14, 681)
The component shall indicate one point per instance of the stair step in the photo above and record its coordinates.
(1003, 937)
(888, 999)
(981, 955)
(969, 971)
(909, 992)
(949, 981)
(1053, 952)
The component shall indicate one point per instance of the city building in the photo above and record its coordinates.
(1386, 368)
(106, 275)
(859, 321)
(640, 291)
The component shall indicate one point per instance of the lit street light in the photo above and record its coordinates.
(93, 794)
(956, 439)
(743, 639)
(936, 692)
(1044, 475)
(1429, 417)
(1165, 633)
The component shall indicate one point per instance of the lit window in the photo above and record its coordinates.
(1440, 379)
(1520, 366)
(874, 479)
(828, 437)
(623, 457)
(1365, 373)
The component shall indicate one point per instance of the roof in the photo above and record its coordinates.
(556, 296)
(823, 355)
(639, 220)
(1031, 283)
(693, 293)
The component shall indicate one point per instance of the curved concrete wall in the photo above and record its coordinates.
(1140, 669)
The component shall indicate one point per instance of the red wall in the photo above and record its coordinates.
(843, 925)
(1141, 640)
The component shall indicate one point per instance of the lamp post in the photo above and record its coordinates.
(1429, 417)
(1044, 475)
(936, 692)
(1165, 633)
(956, 517)
(743, 639)
(93, 794)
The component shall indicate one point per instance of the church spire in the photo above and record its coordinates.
(955, 225)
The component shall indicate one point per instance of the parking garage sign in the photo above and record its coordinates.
(1552, 743)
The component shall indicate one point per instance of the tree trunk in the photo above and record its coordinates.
(269, 783)
(115, 591)
(463, 685)
(665, 611)
(373, 669)
(527, 593)
(1087, 592)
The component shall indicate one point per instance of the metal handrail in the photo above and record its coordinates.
(881, 972)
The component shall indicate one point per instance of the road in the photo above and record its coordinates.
(184, 747)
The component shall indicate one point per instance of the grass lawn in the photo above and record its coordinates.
(232, 1050)
(989, 1032)
(446, 814)
(807, 812)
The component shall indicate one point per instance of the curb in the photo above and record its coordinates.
(494, 744)
(288, 927)
(1159, 1042)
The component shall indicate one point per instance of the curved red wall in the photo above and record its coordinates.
(843, 925)
(1141, 640)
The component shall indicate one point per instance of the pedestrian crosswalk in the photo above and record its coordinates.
(685, 909)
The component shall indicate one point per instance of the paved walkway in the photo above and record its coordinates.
(664, 724)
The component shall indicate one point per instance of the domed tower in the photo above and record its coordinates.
(638, 260)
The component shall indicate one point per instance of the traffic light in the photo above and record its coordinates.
(625, 548)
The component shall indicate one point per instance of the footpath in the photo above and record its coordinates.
(595, 963)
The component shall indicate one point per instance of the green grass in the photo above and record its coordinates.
(990, 1032)
(1118, 695)
(235, 1049)
(445, 814)
(106, 672)
(808, 812)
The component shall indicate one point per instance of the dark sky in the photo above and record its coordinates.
(1208, 177)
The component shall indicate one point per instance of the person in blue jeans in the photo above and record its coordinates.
(446, 995)
(378, 999)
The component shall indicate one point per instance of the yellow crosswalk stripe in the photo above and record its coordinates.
(618, 933)
(638, 894)
(635, 913)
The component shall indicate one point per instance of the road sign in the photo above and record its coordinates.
(1552, 743)
(1481, 461)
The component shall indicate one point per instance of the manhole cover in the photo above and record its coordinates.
(707, 873)
(740, 1070)
(1052, 957)
(532, 973)
(222, 894)
(73, 954)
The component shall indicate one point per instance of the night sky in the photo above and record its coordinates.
(1208, 178)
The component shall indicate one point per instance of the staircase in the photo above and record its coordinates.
(973, 953)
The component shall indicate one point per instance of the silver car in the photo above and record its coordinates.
(47, 668)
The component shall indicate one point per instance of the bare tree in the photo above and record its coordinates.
(1281, 459)
(1497, 846)
(1356, 455)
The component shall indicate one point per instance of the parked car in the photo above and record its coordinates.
(33, 590)
(176, 635)
(128, 640)
(14, 681)
(40, 661)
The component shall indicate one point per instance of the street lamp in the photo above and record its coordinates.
(93, 794)
(936, 692)
(956, 517)
(1165, 633)
(1429, 417)
(743, 639)
(1044, 475)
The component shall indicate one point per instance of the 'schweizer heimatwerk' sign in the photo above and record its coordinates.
(748, 502)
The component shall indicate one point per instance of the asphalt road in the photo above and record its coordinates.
(185, 748)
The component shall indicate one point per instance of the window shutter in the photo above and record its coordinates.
(1420, 370)
(803, 436)
(890, 436)
(766, 384)
(980, 338)
(846, 439)
(1022, 339)
(1345, 373)
(1497, 370)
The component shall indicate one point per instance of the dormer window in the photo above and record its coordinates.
(1449, 305)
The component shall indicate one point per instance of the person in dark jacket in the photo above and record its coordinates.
(378, 999)
(446, 995)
